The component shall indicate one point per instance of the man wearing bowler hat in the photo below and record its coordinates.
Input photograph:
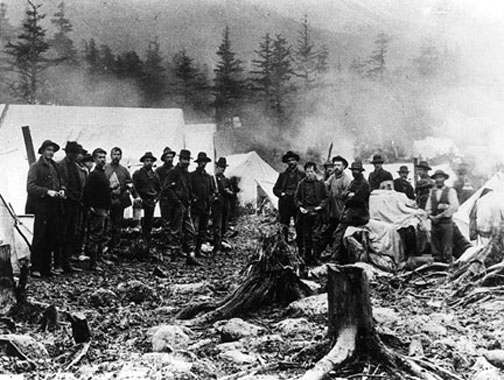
(162, 171)
(284, 189)
(221, 204)
(441, 205)
(147, 185)
(178, 188)
(204, 191)
(46, 190)
(402, 184)
(379, 175)
(75, 179)
(424, 184)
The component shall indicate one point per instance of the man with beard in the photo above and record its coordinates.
(311, 199)
(203, 191)
(75, 178)
(284, 189)
(178, 188)
(424, 184)
(46, 189)
(379, 175)
(441, 205)
(337, 185)
(147, 185)
(121, 185)
(162, 172)
(98, 199)
(221, 204)
(402, 184)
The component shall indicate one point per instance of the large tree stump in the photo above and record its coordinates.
(7, 286)
(351, 327)
(271, 278)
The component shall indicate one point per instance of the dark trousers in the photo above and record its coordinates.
(338, 251)
(148, 218)
(311, 226)
(442, 241)
(182, 228)
(71, 224)
(165, 207)
(115, 222)
(96, 234)
(200, 222)
(409, 240)
(287, 210)
(220, 217)
(46, 235)
(327, 233)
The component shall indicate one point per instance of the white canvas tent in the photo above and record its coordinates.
(256, 177)
(135, 130)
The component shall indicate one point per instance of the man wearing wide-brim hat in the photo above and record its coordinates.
(284, 189)
(221, 205)
(204, 191)
(46, 190)
(379, 175)
(162, 172)
(178, 189)
(441, 205)
(402, 185)
(424, 184)
(148, 187)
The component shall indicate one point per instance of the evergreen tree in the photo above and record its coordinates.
(61, 42)
(376, 62)
(129, 65)
(262, 75)
(7, 31)
(228, 86)
(28, 54)
(428, 60)
(153, 81)
(306, 56)
(106, 60)
(322, 64)
(281, 73)
(92, 56)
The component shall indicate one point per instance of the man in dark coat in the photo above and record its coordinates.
(379, 175)
(121, 184)
(221, 204)
(402, 184)
(75, 178)
(424, 184)
(46, 190)
(311, 198)
(162, 171)
(178, 188)
(204, 190)
(148, 187)
(98, 200)
(284, 189)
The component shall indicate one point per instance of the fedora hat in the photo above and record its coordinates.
(328, 164)
(357, 165)
(167, 151)
(47, 143)
(290, 154)
(73, 147)
(202, 156)
(184, 153)
(423, 165)
(341, 159)
(146, 156)
(378, 159)
(403, 169)
(440, 173)
(221, 162)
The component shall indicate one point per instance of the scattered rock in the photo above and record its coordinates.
(194, 288)
(424, 324)
(310, 306)
(136, 291)
(24, 346)
(294, 326)
(165, 311)
(229, 346)
(103, 298)
(168, 338)
(238, 357)
(492, 306)
(483, 370)
(261, 343)
(385, 316)
(415, 348)
(157, 360)
(237, 328)
(495, 357)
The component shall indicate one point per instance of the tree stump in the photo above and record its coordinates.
(7, 285)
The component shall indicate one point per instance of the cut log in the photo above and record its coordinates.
(272, 278)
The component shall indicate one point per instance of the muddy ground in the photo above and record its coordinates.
(411, 313)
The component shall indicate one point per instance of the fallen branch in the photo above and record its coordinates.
(78, 358)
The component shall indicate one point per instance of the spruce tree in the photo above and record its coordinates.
(7, 31)
(27, 56)
(306, 55)
(376, 62)
(281, 73)
(106, 60)
(61, 42)
(262, 73)
(92, 56)
(153, 80)
(228, 86)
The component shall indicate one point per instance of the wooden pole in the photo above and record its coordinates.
(30, 152)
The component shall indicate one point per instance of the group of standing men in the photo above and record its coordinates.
(323, 209)
(78, 207)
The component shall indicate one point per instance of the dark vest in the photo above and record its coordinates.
(434, 202)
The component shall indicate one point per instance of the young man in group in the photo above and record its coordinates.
(162, 172)
(221, 204)
(379, 175)
(311, 198)
(46, 190)
(97, 198)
